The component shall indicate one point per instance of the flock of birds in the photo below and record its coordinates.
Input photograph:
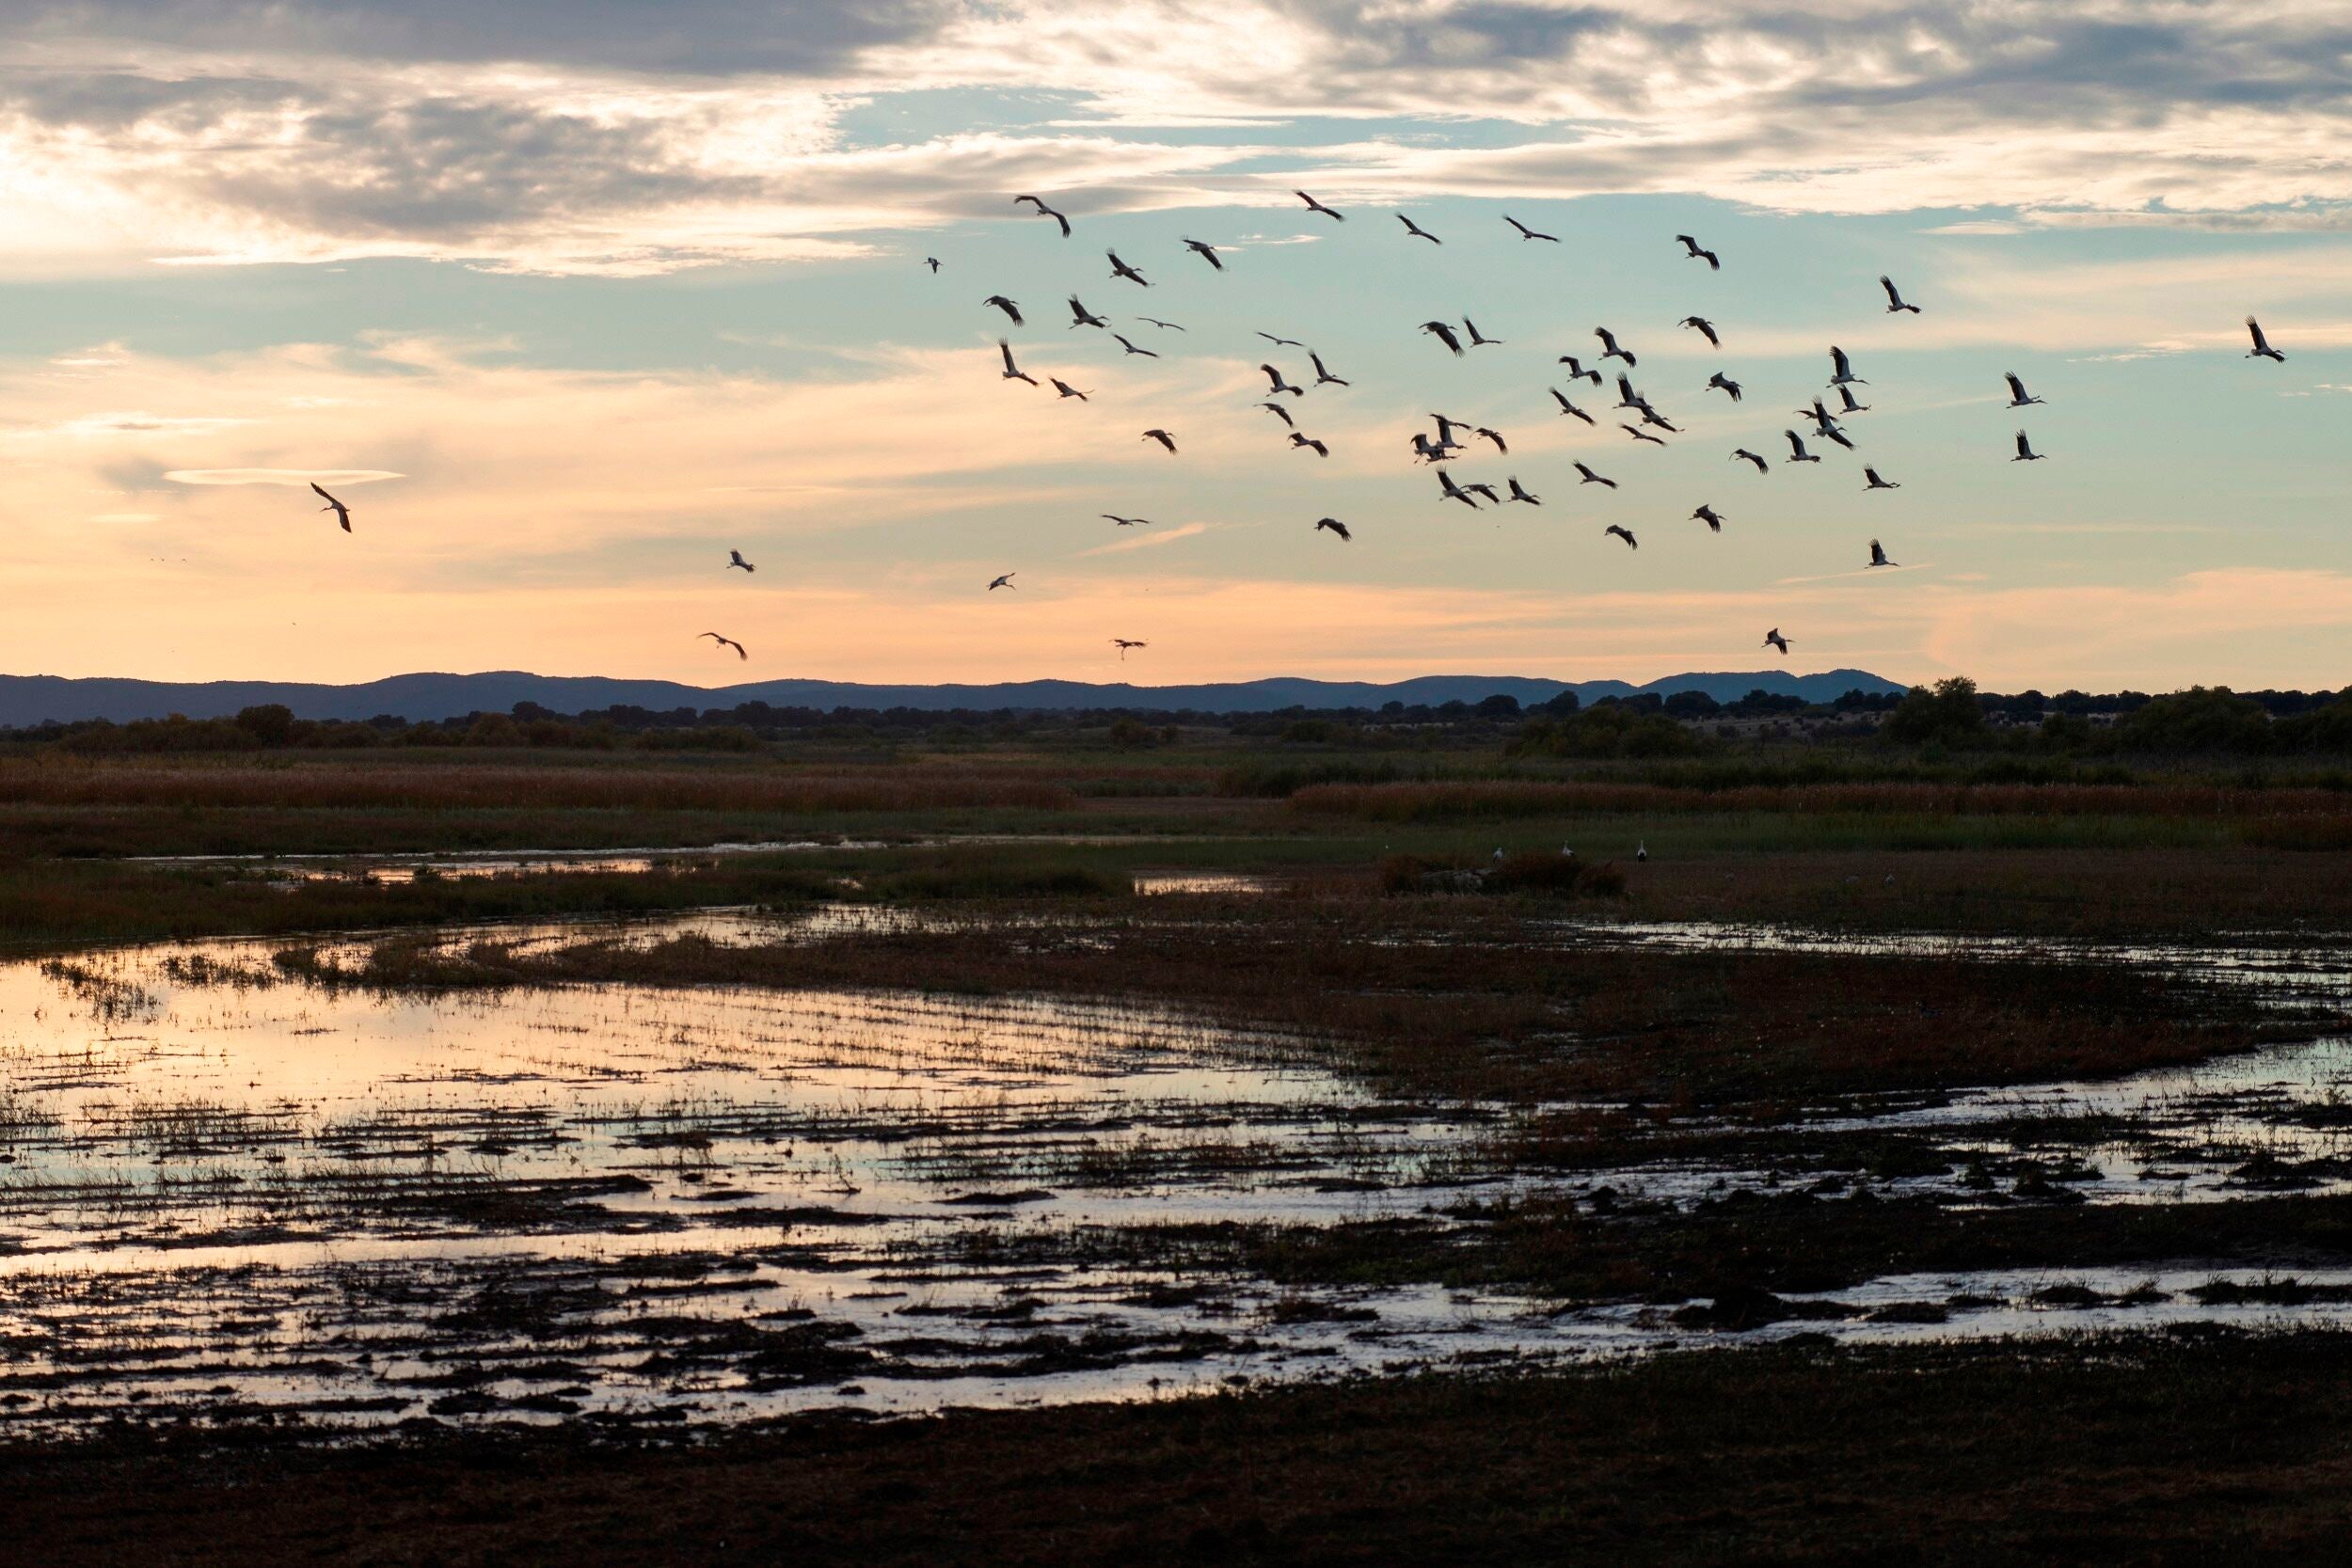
(1641, 420)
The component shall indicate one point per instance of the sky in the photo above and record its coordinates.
(567, 298)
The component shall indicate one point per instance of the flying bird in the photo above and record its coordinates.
(1314, 206)
(1741, 455)
(2262, 349)
(1651, 415)
(1123, 643)
(1486, 490)
(1207, 253)
(1165, 326)
(1695, 251)
(1577, 371)
(1120, 269)
(1706, 329)
(1586, 475)
(1320, 449)
(343, 513)
(1796, 449)
(1627, 396)
(1712, 518)
(1162, 436)
(1081, 316)
(1895, 304)
(1424, 450)
(1066, 389)
(1044, 211)
(1412, 227)
(932, 262)
(1005, 581)
(2017, 394)
(1568, 408)
(1774, 640)
(1282, 342)
(1496, 437)
(1279, 412)
(1126, 522)
(728, 643)
(1608, 349)
(1520, 492)
(1454, 492)
(1874, 483)
(735, 559)
(2025, 451)
(1012, 372)
(1446, 427)
(1625, 533)
(1843, 367)
(1722, 382)
(1335, 525)
(1279, 384)
(1131, 348)
(1008, 307)
(1444, 332)
(1476, 338)
(1527, 233)
(1322, 375)
(1845, 396)
(1878, 555)
(1640, 435)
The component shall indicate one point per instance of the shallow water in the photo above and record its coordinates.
(232, 1194)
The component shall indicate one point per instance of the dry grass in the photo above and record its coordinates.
(1466, 799)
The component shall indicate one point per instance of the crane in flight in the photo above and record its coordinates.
(1625, 533)
(1279, 384)
(1162, 436)
(1281, 413)
(1842, 366)
(1128, 522)
(1722, 382)
(1123, 643)
(1712, 518)
(1874, 483)
(1586, 475)
(1005, 581)
(1444, 332)
(1415, 229)
(343, 513)
(1044, 211)
(1577, 371)
(2262, 349)
(1741, 455)
(735, 559)
(1521, 493)
(1207, 252)
(1120, 269)
(1695, 251)
(1335, 525)
(1477, 338)
(1066, 389)
(728, 643)
(1796, 449)
(2018, 397)
(1774, 640)
(1568, 408)
(2025, 451)
(1319, 448)
(1322, 375)
(1706, 329)
(1608, 349)
(1895, 304)
(1879, 556)
(1314, 206)
(1008, 307)
(1081, 316)
(1012, 372)
(1527, 233)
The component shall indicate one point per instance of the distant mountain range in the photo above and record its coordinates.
(38, 699)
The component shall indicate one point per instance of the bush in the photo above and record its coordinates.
(1948, 716)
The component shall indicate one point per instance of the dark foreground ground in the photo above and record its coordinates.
(2207, 1448)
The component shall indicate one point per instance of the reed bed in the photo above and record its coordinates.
(1457, 800)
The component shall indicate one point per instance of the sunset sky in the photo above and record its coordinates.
(570, 297)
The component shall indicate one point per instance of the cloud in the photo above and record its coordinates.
(296, 477)
(1152, 539)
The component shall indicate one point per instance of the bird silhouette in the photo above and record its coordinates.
(932, 262)
(1486, 490)
(1282, 342)
(1314, 206)
(1774, 640)
(1586, 475)
(1415, 229)
(1444, 332)
(1066, 389)
(1845, 399)
(1527, 233)
(1120, 269)
(1741, 455)
(1123, 643)
(1843, 368)
(1878, 557)
(1081, 316)
(1162, 436)
(1207, 252)
(1577, 371)
(1335, 525)
(1012, 372)
(1008, 307)
(2025, 451)
(1044, 211)
(1640, 435)
(1005, 581)
(1128, 522)
(1706, 329)
(1625, 533)
(1476, 336)
(1131, 348)
(1568, 408)
(1521, 493)
(343, 513)
(1796, 449)
(1873, 482)
(1693, 250)
(1279, 412)
(1322, 375)
(1608, 349)
(1279, 384)
(1722, 382)
(1165, 326)
(1320, 449)
(1496, 437)
(1453, 492)
(1895, 304)
(735, 559)
(1712, 518)
(728, 643)
(2018, 397)
(2262, 349)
